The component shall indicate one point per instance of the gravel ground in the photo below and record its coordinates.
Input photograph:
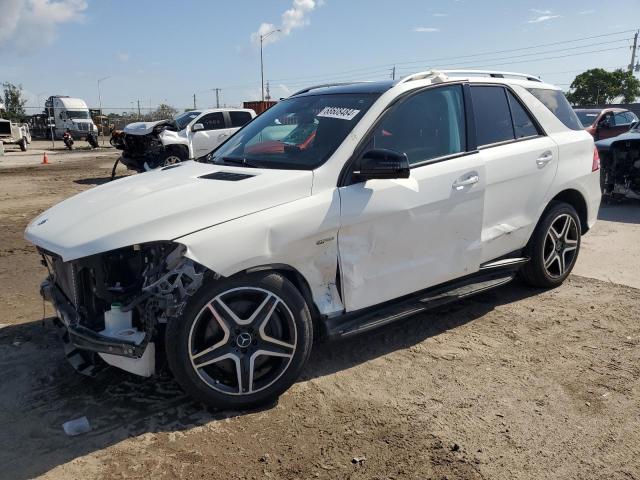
(516, 383)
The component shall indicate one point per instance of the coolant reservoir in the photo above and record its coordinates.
(115, 320)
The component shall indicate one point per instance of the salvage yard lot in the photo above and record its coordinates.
(513, 384)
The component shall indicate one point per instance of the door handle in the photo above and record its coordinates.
(545, 158)
(460, 184)
(222, 135)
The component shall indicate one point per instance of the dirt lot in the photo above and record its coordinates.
(513, 384)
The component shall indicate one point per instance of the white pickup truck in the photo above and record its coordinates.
(190, 135)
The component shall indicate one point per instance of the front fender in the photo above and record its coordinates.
(302, 234)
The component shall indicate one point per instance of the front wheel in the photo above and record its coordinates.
(554, 247)
(23, 144)
(172, 157)
(240, 342)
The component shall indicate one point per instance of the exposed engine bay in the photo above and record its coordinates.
(114, 304)
(141, 139)
(620, 176)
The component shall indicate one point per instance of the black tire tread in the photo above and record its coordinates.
(533, 272)
(177, 334)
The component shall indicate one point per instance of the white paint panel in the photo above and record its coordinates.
(401, 236)
(302, 235)
(160, 205)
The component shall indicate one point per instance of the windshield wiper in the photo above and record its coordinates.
(240, 161)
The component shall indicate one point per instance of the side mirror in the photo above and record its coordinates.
(383, 164)
(197, 127)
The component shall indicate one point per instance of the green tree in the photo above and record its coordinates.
(14, 101)
(598, 86)
(164, 111)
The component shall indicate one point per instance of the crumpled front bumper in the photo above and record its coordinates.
(81, 337)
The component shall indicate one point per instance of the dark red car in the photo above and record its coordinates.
(606, 122)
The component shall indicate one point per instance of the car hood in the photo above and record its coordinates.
(606, 143)
(164, 204)
(144, 128)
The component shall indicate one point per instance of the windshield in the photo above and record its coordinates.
(297, 133)
(184, 119)
(587, 117)
(78, 114)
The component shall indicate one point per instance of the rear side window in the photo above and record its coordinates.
(555, 101)
(492, 115)
(523, 124)
(239, 119)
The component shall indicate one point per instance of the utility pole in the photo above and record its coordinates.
(262, 37)
(139, 116)
(217, 90)
(268, 96)
(100, 104)
(393, 73)
(194, 101)
(632, 65)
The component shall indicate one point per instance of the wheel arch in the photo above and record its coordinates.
(177, 148)
(574, 198)
(299, 281)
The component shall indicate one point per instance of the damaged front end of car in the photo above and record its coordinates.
(621, 170)
(113, 305)
(141, 145)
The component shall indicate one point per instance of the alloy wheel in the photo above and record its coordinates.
(242, 341)
(171, 160)
(560, 245)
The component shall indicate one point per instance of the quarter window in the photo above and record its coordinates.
(555, 101)
(212, 121)
(239, 119)
(523, 124)
(492, 115)
(425, 126)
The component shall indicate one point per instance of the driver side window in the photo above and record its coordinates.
(212, 121)
(425, 126)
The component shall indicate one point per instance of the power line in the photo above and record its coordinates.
(457, 57)
(540, 53)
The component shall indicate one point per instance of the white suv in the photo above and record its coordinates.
(340, 209)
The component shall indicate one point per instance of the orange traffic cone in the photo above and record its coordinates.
(45, 159)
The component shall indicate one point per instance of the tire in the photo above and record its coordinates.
(172, 156)
(23, 144)
(230, 365)
(554, 247)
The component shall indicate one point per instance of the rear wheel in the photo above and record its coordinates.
(240, 342)
(554, 247)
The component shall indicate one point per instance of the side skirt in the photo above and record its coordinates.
(491, 275)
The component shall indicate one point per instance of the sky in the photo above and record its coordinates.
(156, 51)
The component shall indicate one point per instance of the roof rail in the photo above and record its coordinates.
(419, 76)
(490, 73)
(323, 85)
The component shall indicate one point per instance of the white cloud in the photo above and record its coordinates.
(28, 24)
(586, 12)
(541, 16)
(295, 17)
(440, 14)
(123, 56)
(426, 29)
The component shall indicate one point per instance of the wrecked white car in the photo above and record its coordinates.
(190, 135)
(338, 210)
